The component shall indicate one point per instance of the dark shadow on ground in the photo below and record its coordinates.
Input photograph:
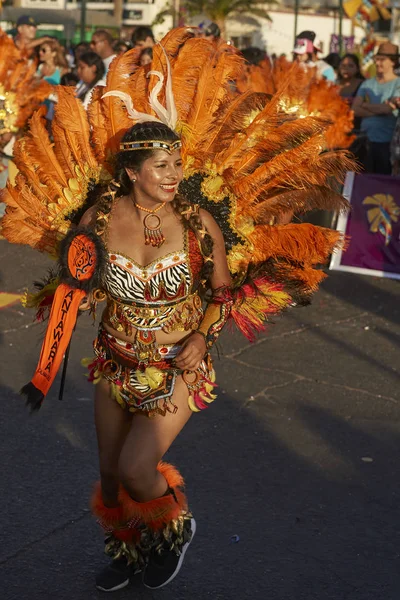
(378, 296)
(314, 520)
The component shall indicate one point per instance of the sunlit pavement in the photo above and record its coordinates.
(293, 472)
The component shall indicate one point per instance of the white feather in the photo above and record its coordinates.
(168, 115)
(155, 104)
(169, 95)
(132, 112)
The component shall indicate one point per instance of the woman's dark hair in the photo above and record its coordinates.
(69, 79)
(356, 61)
(148, 52)
(119, 46)
(134, 159)
(333, 59)
(254, 55)
(141, 34)
(80, 49)
(90, 59)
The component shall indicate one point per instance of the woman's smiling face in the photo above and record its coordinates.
(159, 176)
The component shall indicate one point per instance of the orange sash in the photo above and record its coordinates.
(80, 268)
(62, 321)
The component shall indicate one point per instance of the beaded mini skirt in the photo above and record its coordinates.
(149, 387)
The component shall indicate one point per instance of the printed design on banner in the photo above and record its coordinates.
(82, 257)
(384, 212)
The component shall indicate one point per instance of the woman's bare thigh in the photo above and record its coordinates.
(150, 438)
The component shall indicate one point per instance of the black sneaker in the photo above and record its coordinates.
(164, 566)
(115, 576)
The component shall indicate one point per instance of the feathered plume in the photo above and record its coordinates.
(17, 76)
(305, 94)
(53, 179)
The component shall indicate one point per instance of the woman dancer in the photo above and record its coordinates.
(154, 253)
(151, 349)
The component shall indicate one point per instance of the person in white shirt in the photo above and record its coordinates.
(102, 44)
(91, 74)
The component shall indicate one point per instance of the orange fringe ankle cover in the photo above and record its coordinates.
(156, 513)
(61, 324)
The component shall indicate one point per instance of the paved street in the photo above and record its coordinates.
(298, 458)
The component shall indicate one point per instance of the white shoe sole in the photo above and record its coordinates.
(114, 589)
(179, 565)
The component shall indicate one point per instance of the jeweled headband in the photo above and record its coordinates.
(169, 147)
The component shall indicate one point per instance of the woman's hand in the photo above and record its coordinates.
(86, 302)
(191, 353)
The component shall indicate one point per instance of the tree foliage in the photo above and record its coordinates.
(217, 10)
(220, 10)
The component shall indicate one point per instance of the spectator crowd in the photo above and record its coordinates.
(375, 100)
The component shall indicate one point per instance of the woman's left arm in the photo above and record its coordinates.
(217, 313)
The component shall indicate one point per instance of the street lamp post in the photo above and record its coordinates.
(296, 15)
(83, 20)
(177, 7)
(340, 27)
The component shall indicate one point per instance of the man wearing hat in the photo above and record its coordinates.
(26, 34)
(306, 51)
(374, 103)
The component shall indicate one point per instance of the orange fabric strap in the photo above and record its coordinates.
(79, 269)
(61, 324)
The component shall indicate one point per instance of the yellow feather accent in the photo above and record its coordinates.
(117, 395)
(192, 405)
(207, 397)
(151, 376)
(86, 361)
(30, 300)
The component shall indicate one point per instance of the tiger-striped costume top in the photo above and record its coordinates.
(168, 279)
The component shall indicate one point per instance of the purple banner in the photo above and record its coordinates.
(348, 43)
(374, 225)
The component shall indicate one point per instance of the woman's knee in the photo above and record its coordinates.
(136, 475)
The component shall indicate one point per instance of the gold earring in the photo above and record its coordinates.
(133, 180)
